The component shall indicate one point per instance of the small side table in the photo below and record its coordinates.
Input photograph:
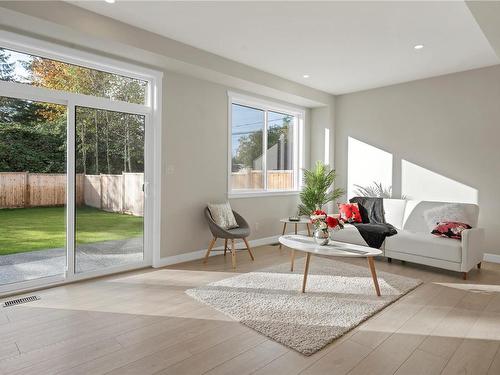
(302, 221)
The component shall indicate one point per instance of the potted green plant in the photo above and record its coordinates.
(317, 190)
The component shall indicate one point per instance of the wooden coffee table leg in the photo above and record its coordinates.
(308, 230)
(283, 233)
(295, 228)
(371, 264)
(293, 259)
(306, 271)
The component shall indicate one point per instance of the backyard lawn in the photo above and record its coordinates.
(40, 228)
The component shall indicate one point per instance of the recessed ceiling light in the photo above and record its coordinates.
(110, 1)
(418, 46)
(306, 76)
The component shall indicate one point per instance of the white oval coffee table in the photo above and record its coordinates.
(333, 249)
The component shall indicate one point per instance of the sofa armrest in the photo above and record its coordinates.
(472, 248)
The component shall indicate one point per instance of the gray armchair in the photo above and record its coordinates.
(243, 231)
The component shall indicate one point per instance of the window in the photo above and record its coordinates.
(265, 147)
(53, 74)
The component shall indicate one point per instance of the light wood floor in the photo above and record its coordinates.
(143, 323)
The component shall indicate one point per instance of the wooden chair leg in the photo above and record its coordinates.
(479, 266)
(225, 246)
(233, 254)
(292, 259)
(210, 246)
(248, 248)
(464, 275)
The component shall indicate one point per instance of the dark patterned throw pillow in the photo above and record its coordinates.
(450, 229)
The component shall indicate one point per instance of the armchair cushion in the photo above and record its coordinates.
(223, 215)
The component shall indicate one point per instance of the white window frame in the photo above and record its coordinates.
(152, 112)
(298, 143)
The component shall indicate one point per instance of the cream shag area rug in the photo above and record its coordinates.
(338, 297)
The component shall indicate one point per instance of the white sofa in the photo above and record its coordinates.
(414, 242)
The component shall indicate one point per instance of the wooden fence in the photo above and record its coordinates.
(116, 193)
(276, 180)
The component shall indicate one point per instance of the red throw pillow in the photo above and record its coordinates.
(349, 212)
(450, 229)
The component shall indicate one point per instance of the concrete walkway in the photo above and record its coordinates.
(51, 262)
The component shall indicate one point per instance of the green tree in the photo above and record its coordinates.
(37, 148)
(107, 142)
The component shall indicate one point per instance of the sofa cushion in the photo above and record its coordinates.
(414, 214)
(426, 245)
(349, 234)
(394, 211)
(349, 212)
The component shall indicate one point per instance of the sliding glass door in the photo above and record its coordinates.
(109, 189)
(73, 164)
(32, 190)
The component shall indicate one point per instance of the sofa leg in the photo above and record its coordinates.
(464, 275)
(389, 260)
(479, 266)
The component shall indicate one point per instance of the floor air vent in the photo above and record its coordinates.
(19, 301)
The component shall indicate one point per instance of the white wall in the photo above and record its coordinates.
(443, 134)
(322, 126)
(196, 143)
(366, 166)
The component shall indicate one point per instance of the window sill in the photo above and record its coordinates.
(248, 194)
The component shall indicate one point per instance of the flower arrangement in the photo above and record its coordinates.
(322, 223)
(320, 220)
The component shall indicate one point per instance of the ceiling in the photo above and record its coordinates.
(342, 46)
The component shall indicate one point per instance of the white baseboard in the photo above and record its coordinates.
(199, 254)
(493, 258)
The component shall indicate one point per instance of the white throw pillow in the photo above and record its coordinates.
(447, 212)
(223, 215)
